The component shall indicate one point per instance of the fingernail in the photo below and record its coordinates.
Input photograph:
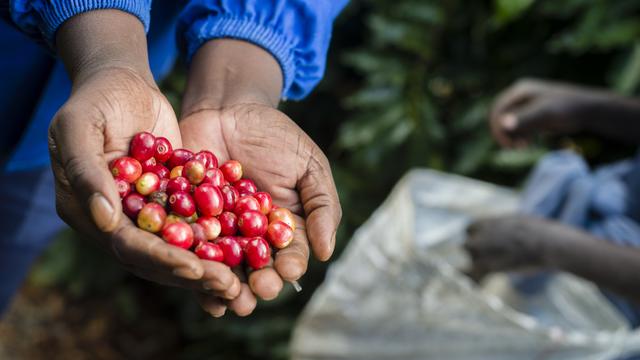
(509, 122)
(102, 212)
(187, 272)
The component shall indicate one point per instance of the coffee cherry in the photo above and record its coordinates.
(211, 226)
(163, 184)
(192, 219)
(161, 171)
(124, 188)
(243, 241)
(210, 251)
(126, 168)
(163, 149)
(264, 199)
(176, 172)
(252, 223)
(232, 170)
(229, 197)
(208, 199)
(284, 215)
(178, 234)
(173, 218)
(182, 203)
(245, 187)
(257, 253)
(159, 197)
(231, 250)
(179, 157)
(148, 165)
(246, 203)
(151, 218)
(132, 204)
(207, 158)
(147, 183)
(194, 171)
(199, 236)
(214, 177)
(279, 234)
(178, 184)
(228, 223)
(142, 146)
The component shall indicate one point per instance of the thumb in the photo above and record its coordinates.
(321, 205)
(77, 144)
(527, 121)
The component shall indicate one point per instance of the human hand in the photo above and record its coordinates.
(113, 98)
(532, 106)
(236, 123)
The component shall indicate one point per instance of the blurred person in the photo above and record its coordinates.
(574, 219)
(100, 89)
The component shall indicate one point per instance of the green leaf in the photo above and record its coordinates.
(508, 10)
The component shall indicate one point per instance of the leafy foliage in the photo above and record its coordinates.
(409, 84)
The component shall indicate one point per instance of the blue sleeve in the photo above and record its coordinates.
(41, 18)
(295, 32)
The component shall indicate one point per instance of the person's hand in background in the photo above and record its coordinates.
(114, 96)
(230, 107)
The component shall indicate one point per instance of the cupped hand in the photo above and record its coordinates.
(531, 106)
(283, 161)
(94, 127)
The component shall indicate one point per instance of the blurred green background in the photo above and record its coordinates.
(408, 84)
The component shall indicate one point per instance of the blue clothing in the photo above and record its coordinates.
(604, 202)
(34, 85)
(295, 32)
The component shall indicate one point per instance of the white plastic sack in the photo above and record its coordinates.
(398, 291)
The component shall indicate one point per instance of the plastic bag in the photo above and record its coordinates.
(398, 292)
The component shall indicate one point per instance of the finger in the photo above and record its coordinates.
(265, 283)
(211, 304)
(78, 145)
(245, 303)
(527, 121)
(321, 205)
(143, 250)
(515, 96)
(219, 279)
(291, 262)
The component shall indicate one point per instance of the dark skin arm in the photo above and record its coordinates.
(521, 243)
(534, 106)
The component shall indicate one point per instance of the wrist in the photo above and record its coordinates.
(226, 72)
(92, 42)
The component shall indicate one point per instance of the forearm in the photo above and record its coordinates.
(103, 39)
(226, 72)
(610, 266)
(613, 116)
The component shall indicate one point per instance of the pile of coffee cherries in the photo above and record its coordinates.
(193, 203)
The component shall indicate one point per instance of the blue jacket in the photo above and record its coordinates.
(34, 84)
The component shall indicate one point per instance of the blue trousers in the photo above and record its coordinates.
(28, 221)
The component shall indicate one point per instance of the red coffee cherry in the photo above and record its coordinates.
(210, 251)
(142, 146)
(228, 223)
(124, 188)
(161, 171)
(208, 199)
(214, 177)
(126, 168)
(163, 184)
(246, 203)
(199, 236)
(173, 218)
(229, 195)
(182, 203)
(147, 183)
(207, 158)
(245, 187)
(132, 204)
(232, 170)
(211, 226)
(178, 184)
(252, 223)
(148, 165)
(264, 199)
(257, 253)
(279, 234)
(178, 234)
(243, 241)
(232, 251)
(284, 215)
(194, 171)
(179, 157)
(151, 217)
(163, 149)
